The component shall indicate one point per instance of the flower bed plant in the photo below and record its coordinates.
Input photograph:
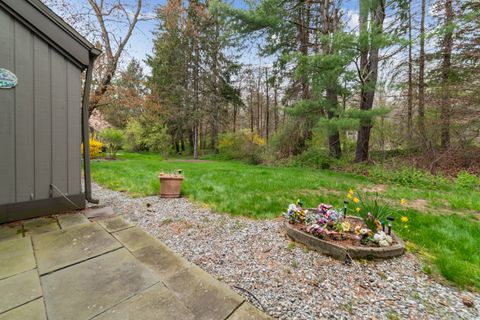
(371, 225)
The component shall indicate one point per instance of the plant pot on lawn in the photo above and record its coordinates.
(170, 185)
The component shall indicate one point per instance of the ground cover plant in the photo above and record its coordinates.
(445, 232)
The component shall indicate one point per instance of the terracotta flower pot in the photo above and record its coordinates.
(170, 185)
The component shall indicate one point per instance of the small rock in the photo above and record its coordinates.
(468, 301)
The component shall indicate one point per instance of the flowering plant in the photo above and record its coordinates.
(382, 239)
(295, 212)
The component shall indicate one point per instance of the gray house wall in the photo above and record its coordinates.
(40, 119)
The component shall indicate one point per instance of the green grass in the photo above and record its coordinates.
(449, 242)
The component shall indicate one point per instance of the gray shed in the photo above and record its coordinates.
(42, 122)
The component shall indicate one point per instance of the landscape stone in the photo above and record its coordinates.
(16, 256)
(55, 250)
(19, 289)
(156, 302)
(85, 290)
(115, 224)
(34, 310)
(248, 312)
(40, 225)
(206, 297)
(71, 219)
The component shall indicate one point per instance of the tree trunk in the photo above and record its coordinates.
(446, 66)
(251, 111)
(369, 58)
(410, 79)
(267, 106)
(334, 145)
(275, 106)
(421, 76)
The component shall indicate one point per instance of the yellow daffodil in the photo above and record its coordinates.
(350, 191)
(356, 200)
(404, 219)
(349, 196)
(403, 202)
(357, 209)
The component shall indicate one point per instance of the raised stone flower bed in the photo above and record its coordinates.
(340, 251)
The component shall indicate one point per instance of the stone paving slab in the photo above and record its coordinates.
(115, 224)
(71, 219)
(134, 238)
(34, 310)
(19, 289)
(156, 302)
(93, 286)
(16, 256)
(206, 297)
(11, 231)
(248, 312)
(40, 225)
(161, 259)
(55, 250)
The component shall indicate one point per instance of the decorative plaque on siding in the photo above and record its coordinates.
(8, 79)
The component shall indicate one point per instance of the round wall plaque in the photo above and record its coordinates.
(8, 79)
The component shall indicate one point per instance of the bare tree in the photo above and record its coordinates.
(108, 24)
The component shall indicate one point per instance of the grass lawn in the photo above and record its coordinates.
(446, 234)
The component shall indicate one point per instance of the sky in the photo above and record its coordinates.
(141, 42)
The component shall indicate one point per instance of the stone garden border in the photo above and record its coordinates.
(338, 251)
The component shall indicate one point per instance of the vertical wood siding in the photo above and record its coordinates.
(40, 120)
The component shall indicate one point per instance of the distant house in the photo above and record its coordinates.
(41, 118)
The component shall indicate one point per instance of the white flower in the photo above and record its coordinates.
(292, 207)
(383, 243)
(389, 239)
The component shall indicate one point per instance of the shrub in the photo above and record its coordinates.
(409, 177)
(156, 138)
(95, 147)
(313, 158)
(113, 138)
(467, 181)
(242, 145)
(134, 136)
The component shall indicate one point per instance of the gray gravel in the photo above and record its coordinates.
(290, 281)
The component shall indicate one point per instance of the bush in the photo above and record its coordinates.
(242, 145)
(156, 138)
(95, 147)
(134, 136)
(313, 158)
(113, 138)
(153, 137)
(409, 177)
(467, 181)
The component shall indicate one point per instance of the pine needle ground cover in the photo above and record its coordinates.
(444, 230)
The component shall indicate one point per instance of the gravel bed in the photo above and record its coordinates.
(287, 280)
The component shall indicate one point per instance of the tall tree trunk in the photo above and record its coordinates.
(369, 58)
(410, 77)
(234, 117)
(446, 66)
(267, 106)
(275, 106)
(334, 145)
(421, 75)
(251, 111)
(259, 121)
